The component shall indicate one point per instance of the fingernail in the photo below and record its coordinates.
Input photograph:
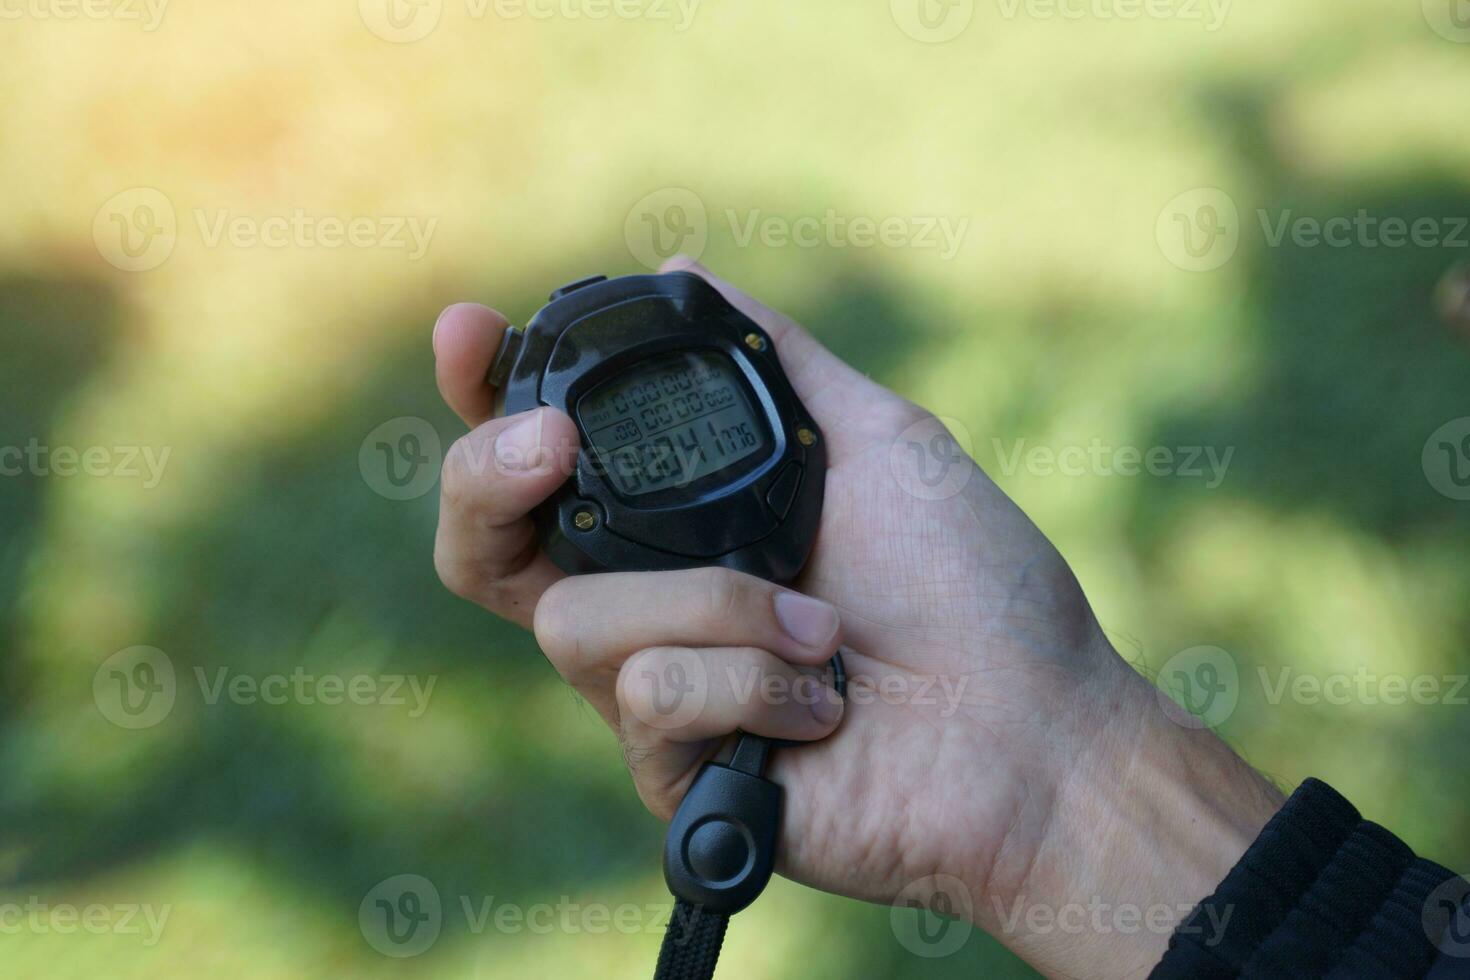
(827, 708)
(519, 448)
(810, 622)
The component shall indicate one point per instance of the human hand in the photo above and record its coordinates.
(995, 747)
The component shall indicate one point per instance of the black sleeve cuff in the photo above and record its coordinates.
(1322, 892)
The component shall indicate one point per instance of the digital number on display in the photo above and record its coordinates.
(671, 421)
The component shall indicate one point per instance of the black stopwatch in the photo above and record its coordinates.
(695, 450)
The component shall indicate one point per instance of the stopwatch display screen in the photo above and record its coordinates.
(671, 420)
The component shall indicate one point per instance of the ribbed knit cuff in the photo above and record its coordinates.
(1321, 892)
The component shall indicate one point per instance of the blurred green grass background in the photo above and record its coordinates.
(531, 142)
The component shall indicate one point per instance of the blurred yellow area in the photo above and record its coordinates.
(229, 228)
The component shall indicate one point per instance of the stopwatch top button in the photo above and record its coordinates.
(572, 287)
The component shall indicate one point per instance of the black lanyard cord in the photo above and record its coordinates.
(692, 943)
(720, 852)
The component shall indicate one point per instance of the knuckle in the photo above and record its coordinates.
(478, 580)
(554, 623)
(456, 477)
(664, 688)
(635, 698)
(458, 577)
(498, 595)
(722, 593)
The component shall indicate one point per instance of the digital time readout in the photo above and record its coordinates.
(670, 421)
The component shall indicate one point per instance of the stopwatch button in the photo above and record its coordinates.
(783, 490)
(572, 287)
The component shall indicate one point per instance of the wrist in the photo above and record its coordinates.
(1146, 818)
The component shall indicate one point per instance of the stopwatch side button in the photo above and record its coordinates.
(505, 358)
(572, 287)
(783, 491)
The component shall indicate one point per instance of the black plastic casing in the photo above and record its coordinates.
(720, 849)
(759, 516)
